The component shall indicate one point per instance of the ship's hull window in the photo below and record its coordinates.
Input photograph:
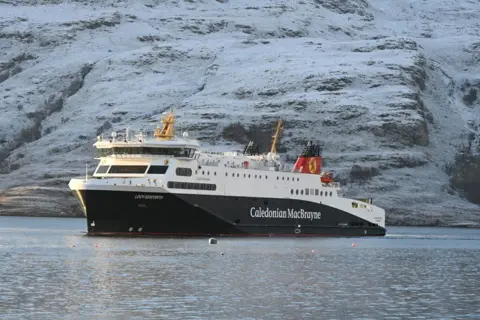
(157, 169)
(190, 185)
(102, 169)
(128, 169)
(185, 172)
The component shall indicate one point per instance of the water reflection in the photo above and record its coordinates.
(62, 274)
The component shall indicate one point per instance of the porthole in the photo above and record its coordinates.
(244, 175)
(226, 174)
(283, 178)
(288, 178)
(215, 173)
(301, 192)
(296, 191)
(238, 175)
(266, 177)
(278, 178)
(233, 174)
(321, 193)
(291, 191)
(255, 176)
(249, 175)
(330, 193)
(203, 172)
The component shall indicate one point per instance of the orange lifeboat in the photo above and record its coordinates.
(327, 177)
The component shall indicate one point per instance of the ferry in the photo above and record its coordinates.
(166, 185)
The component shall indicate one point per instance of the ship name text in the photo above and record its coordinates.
(284, 214)
(148, 197)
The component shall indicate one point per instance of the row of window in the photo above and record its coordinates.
(311, 192)
(191, 185)
(259, 176)
(176, 152)
(131, 169)
(184, 172)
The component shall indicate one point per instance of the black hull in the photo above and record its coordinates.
(121, 213)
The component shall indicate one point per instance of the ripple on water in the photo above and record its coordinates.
(385, 278)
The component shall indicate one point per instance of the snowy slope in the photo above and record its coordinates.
(382, 84)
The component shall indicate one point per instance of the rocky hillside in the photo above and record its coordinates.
(390, 88)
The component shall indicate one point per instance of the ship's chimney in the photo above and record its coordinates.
(309, 161)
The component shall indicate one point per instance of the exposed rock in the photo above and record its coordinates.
(345, 6)
(470, 97)
(413, 133)
(362, 173)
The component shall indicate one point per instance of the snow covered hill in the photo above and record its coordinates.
(391, 88)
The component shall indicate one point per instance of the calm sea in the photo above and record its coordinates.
(50, 270)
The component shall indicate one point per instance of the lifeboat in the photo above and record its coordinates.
(327, 177)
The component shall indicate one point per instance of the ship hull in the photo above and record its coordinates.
(129, 213)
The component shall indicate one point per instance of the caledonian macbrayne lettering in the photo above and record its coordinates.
(284, 214)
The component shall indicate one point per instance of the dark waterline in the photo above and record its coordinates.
(51, 270)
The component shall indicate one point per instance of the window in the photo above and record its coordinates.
(176, 152)
(128, 169)
(306, 191)
(321, 193)
(185, 172)
(102, 169)
(316, 192)
(158, 169)
(278, 178)
(330, 193)
(311, 192)
(191, 185)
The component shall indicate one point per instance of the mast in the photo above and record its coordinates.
(166, 132)
(273, 150)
